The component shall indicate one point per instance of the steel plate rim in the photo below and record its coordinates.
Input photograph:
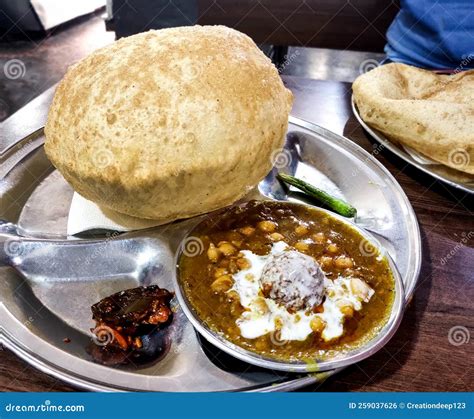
(404, 156)
(50, 368)
(85, 383)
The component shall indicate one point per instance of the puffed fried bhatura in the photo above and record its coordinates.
(169, 124)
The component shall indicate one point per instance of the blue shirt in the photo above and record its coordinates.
(433, 34)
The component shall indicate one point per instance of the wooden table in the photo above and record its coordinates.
(424, 355)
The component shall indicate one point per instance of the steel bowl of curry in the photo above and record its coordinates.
(288, 286)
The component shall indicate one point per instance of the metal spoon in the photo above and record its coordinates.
(43, 260)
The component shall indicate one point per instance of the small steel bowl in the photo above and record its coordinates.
(342, 359)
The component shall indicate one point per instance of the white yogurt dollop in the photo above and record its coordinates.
(266, 314)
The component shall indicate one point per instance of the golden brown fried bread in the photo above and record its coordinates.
(432, 113)
(169, 124)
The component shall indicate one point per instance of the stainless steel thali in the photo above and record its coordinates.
(35, 318)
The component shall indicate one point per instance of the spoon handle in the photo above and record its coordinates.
(8, 233)
(41, 260)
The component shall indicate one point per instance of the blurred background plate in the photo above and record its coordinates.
(452, 177)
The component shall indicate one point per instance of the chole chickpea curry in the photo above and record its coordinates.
(287, 281)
